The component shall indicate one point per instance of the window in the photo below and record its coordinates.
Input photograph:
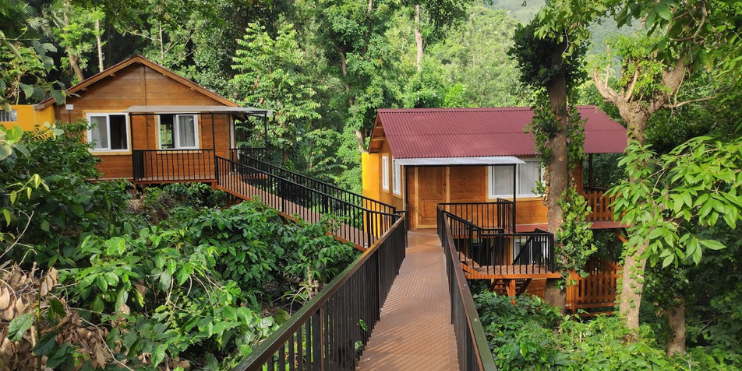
(397, 178)
(178, 131)
(501, 179)
(8, 116)
(385, 173)
(109, 132)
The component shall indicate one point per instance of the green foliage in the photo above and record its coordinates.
(272, 76)
(574, 237)
(56, 221)
(693, 186)
(530, 335)
(196, 195)
(472, 60)
(541, 58)
(197, 284)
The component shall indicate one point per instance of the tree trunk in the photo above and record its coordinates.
(74, 63)
(361, 140)
(74, 60)
(676, 317)
(418, 39)
(558, 172)
(100, 47)
(632, 285)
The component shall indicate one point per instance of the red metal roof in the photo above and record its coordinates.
(479, 132)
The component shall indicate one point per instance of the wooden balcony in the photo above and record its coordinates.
(173, 165)
(601, 209)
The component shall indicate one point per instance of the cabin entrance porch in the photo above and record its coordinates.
(181, 143)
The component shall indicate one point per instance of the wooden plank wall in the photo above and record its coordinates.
(140, 85)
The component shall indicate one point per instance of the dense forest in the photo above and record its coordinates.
(94, 279)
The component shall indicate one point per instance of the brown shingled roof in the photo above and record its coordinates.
(479, 132)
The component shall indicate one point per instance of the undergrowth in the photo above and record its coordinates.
(531, 335)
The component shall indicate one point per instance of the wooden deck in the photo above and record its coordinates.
(415, 331)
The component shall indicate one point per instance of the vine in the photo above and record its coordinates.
(543, 61)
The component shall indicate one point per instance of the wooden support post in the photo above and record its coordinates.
(511, 288)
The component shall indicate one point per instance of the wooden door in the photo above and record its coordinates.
(431, 191)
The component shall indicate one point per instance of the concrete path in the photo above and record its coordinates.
(415, 331)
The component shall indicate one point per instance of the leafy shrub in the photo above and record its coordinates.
(55, 222)
(530, 335)
(199, 282)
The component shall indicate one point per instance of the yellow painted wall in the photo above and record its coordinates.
(370, 174)
(28, 117)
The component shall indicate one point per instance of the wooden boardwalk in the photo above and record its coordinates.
(415, 330)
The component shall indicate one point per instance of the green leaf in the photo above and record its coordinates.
(6, 213)
(712, 244)
(165, 280)
(19, 325)
(158, 353)
(27, 90)
(57, 307)
(102, 283)
(159, 260)
(668, 260)
(46, 344)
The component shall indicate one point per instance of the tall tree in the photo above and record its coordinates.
(683, 36)
(354, 39)
(440, 14)
(549, 53)
(272, 76)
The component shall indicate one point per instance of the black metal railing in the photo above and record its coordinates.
(173, 164)
(330, 331)
(356, 223)
(245, 156)
(258, 153)
(491, 251)
(472, 346)
(488, 215)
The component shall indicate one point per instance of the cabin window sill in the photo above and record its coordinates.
(110, 153)
(178, 151)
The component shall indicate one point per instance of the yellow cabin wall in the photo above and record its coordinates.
(28, 117)
(370, 175)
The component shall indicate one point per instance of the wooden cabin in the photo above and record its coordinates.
(419, 158)
(151, 124)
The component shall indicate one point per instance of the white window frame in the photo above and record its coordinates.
(176, 137)
(490, 183)
(385, 173)
(396, 177)
(89, 116)
(8, 116)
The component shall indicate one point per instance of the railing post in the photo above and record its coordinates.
(216, 170)
(368, 228)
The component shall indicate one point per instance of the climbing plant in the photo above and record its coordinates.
(551, 66)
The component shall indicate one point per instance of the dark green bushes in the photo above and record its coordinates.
(171, 281)
(530, 335)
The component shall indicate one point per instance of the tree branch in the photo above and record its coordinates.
(630, 90)
(677, 105)
(605, 91)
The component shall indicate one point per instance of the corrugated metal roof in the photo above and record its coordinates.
(482, 132)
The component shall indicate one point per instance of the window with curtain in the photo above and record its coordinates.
(501, 179)
(178, 131)
(109, 132)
